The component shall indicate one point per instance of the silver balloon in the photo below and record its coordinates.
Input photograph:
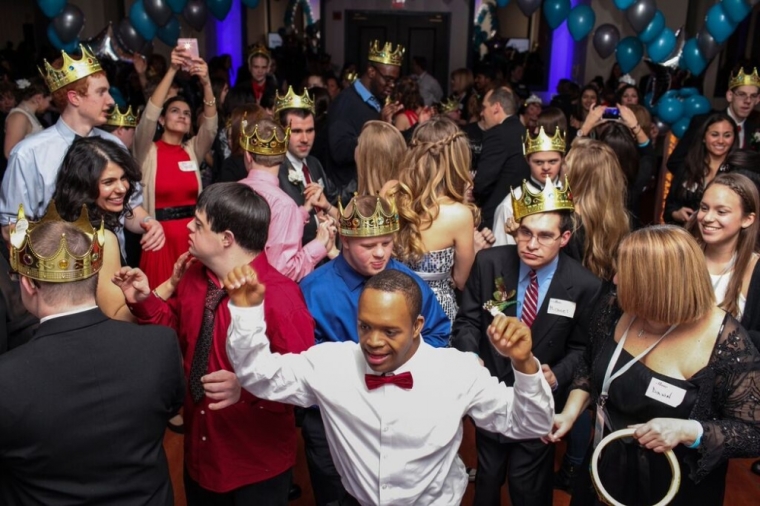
(528, 7)
(106, 46)
(606, 39)
(640, 14)
(675, 56)
(662, 73)
(708, 46)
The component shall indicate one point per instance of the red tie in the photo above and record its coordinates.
(739, 134)
(403, 380)
(530, 304)
(306, 174)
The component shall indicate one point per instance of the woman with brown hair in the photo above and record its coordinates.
(665, 360)
(379, 153)
(407, 92)
(437, 224)
(33, 98)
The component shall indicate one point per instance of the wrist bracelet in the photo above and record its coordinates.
(157, 295)
(147, 219)
(210, 103)
(697, 441)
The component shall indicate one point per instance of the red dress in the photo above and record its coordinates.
(173, 188)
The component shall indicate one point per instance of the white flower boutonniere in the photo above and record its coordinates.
(295, 177)
(755, 141)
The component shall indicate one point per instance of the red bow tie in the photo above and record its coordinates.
(403, 380)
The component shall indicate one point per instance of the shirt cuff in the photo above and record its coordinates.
(144, 310)
(531, 383)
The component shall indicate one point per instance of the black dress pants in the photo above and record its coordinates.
(325, 480)
(272, 492)
(527, 465)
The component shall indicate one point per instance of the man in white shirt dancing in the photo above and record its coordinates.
(392, 404)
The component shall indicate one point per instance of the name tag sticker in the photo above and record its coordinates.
(560, 307)
(188, 166)
(665, 392)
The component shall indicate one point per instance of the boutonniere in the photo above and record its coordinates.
(755, 140)
(295, 176)
(501, 298)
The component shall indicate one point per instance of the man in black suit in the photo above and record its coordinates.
(257, 84)
(85, 403)
(555, 296)
(743, 95)
(502, 163)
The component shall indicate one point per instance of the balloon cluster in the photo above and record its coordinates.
(677, 107)
(66, 23)
(483, 31)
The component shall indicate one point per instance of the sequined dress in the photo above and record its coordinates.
(435, 269)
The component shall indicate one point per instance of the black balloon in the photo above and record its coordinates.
(158, 10)
(640, 14)
(195, 14)
(105, 46)
(707, 45)
(130, 39)
(69, 23)
(528, 7)
(606, 39)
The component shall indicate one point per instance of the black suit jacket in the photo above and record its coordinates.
(83, 410)
(295, 191)
(557, 340)
(501, 165)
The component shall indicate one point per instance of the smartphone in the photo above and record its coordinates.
(191, 49)
(611, 113)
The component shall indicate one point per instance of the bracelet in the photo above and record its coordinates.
(157, 295)
(147, 219)
(210, 103)
(329, 208)
(634, 127)
(697, 441)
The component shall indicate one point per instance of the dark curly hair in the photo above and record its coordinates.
(408, 93)
(78, 181)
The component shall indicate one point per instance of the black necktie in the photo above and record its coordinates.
(214, 296)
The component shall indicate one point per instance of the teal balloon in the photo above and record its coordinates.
(117, 96)
(653, 29)
(169, 33)
(679, 127)
(219, 8)
(556, 11)
(696, 105)
(692, 57)
(669, 109)
(51, 8)
(141, 21)
(736, 10)
(718, 24)
(251, 4)
(176, 5)
(581, 21)
(624, 4)
(671, 94)
(57, 43)
(661, 47)
(628, 53)
(502, 3)
(688, 92)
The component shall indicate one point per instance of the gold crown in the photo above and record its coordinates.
(63, 266)
(386, 55)
(742, 79)
(259, 50)
(71, 70)
(550, 198)
(119, 119)
(448, 106)
(358, 225)
(542, 142)
(258, 146)
(293, 101)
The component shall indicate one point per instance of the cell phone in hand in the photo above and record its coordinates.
(611, 113)
(191, 49)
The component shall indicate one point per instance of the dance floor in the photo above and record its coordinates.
(742, 487)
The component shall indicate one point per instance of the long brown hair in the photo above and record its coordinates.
(746, 244)
(436, 167)
(379, 153)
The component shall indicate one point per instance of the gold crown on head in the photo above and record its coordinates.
(258, 146)
(63, 266)
(259, 49)
(550, 198)
(742, 79)
(293, 101)
(449, 105)
(542, 142)
(378, 224)
(119, 119)
(71, 70)
(386, 55)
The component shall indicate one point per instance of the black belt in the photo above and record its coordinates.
(175, 213)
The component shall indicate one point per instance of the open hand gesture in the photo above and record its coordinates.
(133, 282)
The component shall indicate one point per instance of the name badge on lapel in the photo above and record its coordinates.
(560, 307)
(665, 392)
(188, 166)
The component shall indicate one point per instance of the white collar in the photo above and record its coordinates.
(67, 313)
(296, 163)
(731, 114)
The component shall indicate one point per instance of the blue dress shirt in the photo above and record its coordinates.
(544, 277)
(367, 96)
(332, 297)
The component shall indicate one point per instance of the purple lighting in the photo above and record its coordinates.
(229, 37)
(563, 47)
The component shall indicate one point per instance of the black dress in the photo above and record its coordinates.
(724, 397)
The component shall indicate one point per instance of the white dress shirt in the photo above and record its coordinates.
(391, 446)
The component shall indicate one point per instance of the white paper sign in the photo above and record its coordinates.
(560, 307)
(665, 392)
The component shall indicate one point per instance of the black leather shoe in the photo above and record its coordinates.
(755, 467)
(564, 479)
(294, 492)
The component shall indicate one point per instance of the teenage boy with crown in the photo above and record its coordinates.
(122, 125)
(366, 228)
(80, 92)
(84, 383)
(552, 294)
(264, 145)
(244, 453)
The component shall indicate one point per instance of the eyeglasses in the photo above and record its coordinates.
(745, 96)
(542, 238)
(387, 79)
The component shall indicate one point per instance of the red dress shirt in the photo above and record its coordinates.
(253, 440)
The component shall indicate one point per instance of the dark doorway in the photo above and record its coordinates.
(422, 34)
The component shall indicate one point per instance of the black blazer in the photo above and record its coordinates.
(501, 166)
(295, 191)
(557, 340)
(83, 410)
